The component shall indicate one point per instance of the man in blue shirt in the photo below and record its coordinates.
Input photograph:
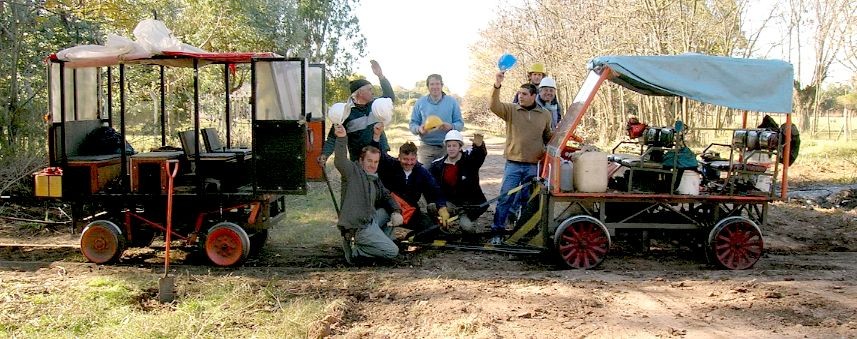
(444, 107)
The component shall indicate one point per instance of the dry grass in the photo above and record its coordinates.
(123, 306)
(825, 162)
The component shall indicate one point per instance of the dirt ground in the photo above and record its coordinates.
(804, 286)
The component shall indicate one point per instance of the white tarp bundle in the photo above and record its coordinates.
(153, 38)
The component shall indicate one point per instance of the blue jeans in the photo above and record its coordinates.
(514, 174)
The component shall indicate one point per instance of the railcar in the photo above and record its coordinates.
(583, 200)
(220, 197)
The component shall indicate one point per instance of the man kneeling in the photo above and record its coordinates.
(365, 203)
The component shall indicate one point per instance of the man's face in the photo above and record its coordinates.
(408, 161)
(364, 94)
(525, 98)
(435, 87)
(547, 93)
(370, 162)
(536, 78)
(453, 149)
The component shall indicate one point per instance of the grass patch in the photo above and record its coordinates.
(825, 162)
(124, 306)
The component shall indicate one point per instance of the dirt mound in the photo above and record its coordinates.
(845, 199)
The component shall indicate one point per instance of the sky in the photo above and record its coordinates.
(414, 38)
(411, 39)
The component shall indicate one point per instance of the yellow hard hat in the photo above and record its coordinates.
(431, 122)
(538, 68)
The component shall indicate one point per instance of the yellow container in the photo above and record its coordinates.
(48, 185)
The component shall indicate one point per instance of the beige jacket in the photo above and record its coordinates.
(527, 131)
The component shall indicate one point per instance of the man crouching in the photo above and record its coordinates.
(365, 203)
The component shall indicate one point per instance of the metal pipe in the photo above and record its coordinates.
(123, 152)
(110, 96)
(163, 109)
(253, 123)
(63, 155)
(74, 93)
(228, 121)
(195, 142)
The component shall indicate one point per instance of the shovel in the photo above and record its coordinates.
(167, 284)
(329, 187)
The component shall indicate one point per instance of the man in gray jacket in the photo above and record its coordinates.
(366, 204)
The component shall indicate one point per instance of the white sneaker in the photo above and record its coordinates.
(496, 240)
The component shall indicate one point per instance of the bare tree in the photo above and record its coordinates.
(566, 34)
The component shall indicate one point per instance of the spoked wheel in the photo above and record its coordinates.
(736, 243)
(102, 242)
(226, 244)
(582, 242)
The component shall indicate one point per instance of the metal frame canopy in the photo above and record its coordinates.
(746, 84)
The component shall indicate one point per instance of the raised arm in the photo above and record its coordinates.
(386, 88)
(340, 156)
(479, 152)
(500, 109)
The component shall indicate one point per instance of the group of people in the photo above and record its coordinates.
(380, 192)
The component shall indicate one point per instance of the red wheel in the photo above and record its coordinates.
(227, 244)
(736, 243)
(582, 242)
(102, 242)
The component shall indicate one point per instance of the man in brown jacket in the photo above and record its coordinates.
(528, 130)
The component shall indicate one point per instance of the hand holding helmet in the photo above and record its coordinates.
(336, 113)
(382, 110)
(432, 122)
(506, 62)
(377, 131)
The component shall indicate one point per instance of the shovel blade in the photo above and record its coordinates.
(166, 289)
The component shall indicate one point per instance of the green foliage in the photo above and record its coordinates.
(29, 32)
(837, 96)
(324, 31)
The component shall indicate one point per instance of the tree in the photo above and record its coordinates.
(565, 34)
(827, 24)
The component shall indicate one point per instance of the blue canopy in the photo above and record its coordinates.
(747, 84)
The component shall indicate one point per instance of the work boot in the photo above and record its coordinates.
(347, 239)
(346, 250)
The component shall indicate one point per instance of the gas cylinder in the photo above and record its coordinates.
(566, 176)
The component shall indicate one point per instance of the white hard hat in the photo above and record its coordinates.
(547, 82)
(453, 135)
(336, 113)
(382, 109)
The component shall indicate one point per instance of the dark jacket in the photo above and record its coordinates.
(419, 183)
(359, 124)
(361, 195)
(553, 107)
(467, 190)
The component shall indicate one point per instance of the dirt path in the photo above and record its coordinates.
(803, 287)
